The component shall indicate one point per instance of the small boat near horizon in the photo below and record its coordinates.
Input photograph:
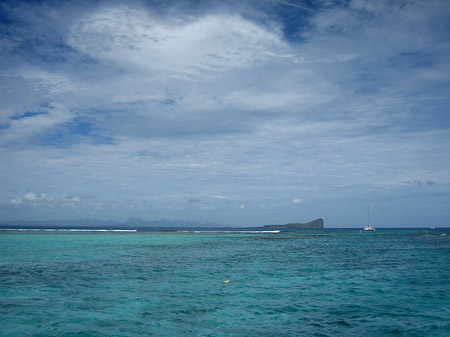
(369, 227)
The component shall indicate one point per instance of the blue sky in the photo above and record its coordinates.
(233, 112)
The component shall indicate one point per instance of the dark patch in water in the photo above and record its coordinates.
(342, 322)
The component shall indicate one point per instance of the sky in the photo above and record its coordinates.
(239, 113)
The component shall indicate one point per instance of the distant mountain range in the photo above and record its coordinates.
(96, 223)
(140, 223)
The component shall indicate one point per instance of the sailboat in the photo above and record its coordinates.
(369, 227)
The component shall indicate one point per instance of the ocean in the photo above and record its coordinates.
(331, 282)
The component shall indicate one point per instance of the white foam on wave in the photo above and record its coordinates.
(100, 230)
(19, 229)
(66, 230)
(135, 230)
(234, 232)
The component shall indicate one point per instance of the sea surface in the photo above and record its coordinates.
(151, 283)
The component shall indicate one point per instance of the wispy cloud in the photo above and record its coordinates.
(28, 125)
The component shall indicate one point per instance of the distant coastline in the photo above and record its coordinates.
(105, 224)
(136, 223)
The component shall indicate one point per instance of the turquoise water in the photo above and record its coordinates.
(322, 283)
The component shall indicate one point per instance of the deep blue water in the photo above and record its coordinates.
(307, 283)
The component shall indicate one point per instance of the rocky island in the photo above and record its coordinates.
(318, 223)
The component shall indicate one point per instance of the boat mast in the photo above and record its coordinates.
(368, 215)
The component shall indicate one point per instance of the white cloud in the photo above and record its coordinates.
(212, 42)
(16, 202)
(69, 198)
(31, 196)
(297, 201)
